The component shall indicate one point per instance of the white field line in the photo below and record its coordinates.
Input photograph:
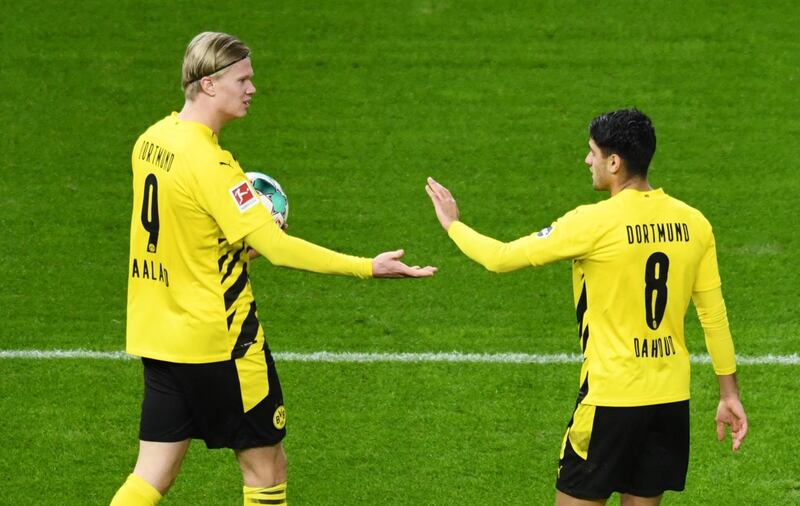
(352, 357)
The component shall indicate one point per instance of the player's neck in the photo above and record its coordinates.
(192, 111)
(633, 183)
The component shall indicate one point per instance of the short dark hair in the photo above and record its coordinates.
(628, 133)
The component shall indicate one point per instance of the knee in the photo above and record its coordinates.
(263, 467)
(159, 463)
(281, 466)
(160, 475)
(161, 479)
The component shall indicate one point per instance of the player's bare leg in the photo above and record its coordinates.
(563, 499)
(263, 466)
(159, 463)
(264, 474)
(633, 500)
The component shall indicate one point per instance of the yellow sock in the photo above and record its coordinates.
(260, 495)
(136, 492)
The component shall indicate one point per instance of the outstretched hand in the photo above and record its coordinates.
(730, 412)
(443, 203)
(388, 265)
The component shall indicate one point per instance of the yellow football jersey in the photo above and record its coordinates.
(189, 297)
(637, 259)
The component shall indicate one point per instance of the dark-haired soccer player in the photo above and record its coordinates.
(208, 372)
(637, 259)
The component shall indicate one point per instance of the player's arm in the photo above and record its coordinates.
(713, 317)
(239, 215)
(287, 251)
(495, 255)
(707, 298)
(569, 241)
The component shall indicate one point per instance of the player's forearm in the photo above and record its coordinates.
(714, 319)
(496, 256)
(728, 387)
(287, 251)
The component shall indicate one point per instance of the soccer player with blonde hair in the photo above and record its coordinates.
(192, 317)
(637, 259)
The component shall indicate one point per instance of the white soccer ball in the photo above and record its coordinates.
(272, 196)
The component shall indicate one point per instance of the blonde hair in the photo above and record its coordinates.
(209, 53)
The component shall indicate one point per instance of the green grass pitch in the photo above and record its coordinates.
(357, 103)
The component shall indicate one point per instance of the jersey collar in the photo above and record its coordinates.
(200, 128)
(631, 193)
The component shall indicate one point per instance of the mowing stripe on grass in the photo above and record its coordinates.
(352, 357)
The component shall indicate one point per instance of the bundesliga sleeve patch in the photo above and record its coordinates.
(545, 232)
(244, 196)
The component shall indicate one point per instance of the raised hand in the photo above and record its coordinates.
(443, 203)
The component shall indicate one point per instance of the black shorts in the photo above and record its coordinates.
(232, 404)
(641, 450)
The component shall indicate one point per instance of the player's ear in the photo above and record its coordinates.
(614, 163)
(207, 85)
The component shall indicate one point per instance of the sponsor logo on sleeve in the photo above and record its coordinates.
(244, 196)
(545, 232)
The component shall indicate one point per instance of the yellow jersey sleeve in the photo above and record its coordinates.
(287, 251)
(707, 299)
(496, 256)
(227, 195)
(714, 318)
(569, 237)
(708, 271)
